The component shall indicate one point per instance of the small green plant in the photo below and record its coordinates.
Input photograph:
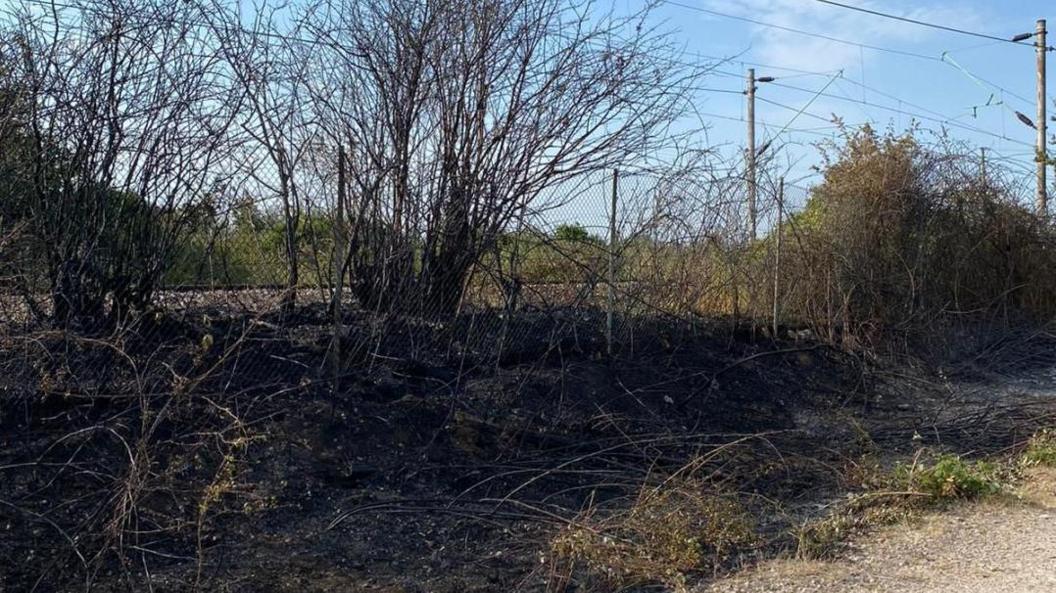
(1041, 450)
(951, 477)
(894, 496)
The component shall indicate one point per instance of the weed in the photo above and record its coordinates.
(894, 496)
(1041, 450)
(951, 477)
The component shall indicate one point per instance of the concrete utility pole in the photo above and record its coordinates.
(750, 156)
(1042, 156)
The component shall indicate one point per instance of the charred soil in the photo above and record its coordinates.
(207, 450)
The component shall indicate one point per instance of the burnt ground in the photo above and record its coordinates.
(209, 450)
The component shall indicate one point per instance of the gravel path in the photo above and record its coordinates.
(996, 547)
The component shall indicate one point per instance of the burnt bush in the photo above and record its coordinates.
(108, 149)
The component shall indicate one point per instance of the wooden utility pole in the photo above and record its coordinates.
(1042, 156)
(610, 312)
(777, 252)
(750, 156)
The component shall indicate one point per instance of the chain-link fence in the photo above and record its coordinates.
(676, 248)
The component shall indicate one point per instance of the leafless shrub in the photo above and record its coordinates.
(121, 123)
(482, 106)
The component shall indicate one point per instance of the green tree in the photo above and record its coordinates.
(573, 232)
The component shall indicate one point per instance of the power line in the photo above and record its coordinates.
(801, 31)
(791, 108)
(714, 90)
(979, 79)
(95, 6)
(927, 24)
(800, 74)
(900, 100)
(938, 115)
(840, 89)
(946, 59)
(802, 109)
(946, 121)
(777, 82)
(810, 131)
(736, 58)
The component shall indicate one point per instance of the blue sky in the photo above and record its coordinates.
(864, 85)
(930, 87)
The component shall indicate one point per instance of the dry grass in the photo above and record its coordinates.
(1039, 487)
(668, 533)
(1041, 450)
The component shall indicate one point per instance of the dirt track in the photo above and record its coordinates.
(1001, 547)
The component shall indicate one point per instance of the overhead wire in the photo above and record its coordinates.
(715, 90)
(935, 117)
(801, 31)
(792, 108)
(801, 111)
(96, 6)
(982, 82)
(940, 120)
(811, 131)
(946, 28)
(944, 57)
(877, 90)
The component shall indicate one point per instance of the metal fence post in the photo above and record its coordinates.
(777, 251)
(338, 263)
(612, 264)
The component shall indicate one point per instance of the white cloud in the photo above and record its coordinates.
(792, 50)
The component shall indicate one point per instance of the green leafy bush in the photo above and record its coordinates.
(574, 232)
(951, 477)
